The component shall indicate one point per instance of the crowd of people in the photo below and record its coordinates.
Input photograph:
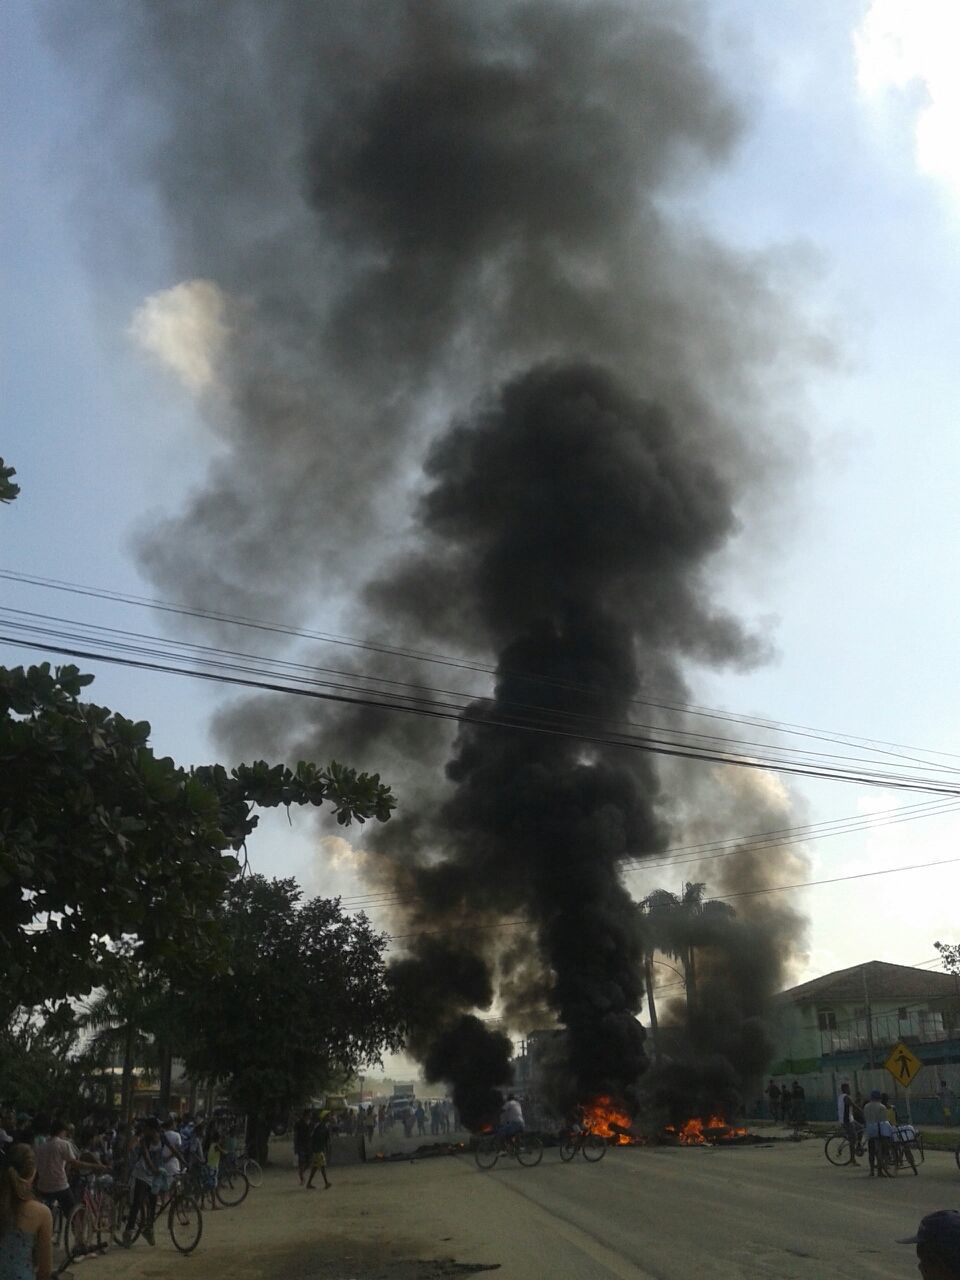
(42, 1160)
(787, 1104)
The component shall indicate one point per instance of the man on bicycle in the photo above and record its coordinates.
(511, 1118)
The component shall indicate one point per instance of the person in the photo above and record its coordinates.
(421, 1117)
(938, 1245)
(319, 1143)
(845, 1114)
(172, 1149)
(511, 1118)
(26, 1225)
(145, 1181)
(876, 1126)
(57, 1161)
(773, 1093)
(381, 1118)
(798, 1103)
(948, 1101)
(369, 1122)
(301, 1143)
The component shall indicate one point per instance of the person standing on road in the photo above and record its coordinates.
(845, 1110)
(381, 1118)
(948, 1101)
(421, 1116)
(773, 1093)
(874, 1119)
(301, 1143)
(798, 1103)
(938, 1245)
(319, 1145)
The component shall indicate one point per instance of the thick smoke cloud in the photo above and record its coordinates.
(425, 214)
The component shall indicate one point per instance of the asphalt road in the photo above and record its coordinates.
(668, 1214)
(647, 1214)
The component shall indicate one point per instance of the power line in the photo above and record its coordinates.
(778, 888)
(211, 655)
(741, 844)
(464, 716)
(880, 746)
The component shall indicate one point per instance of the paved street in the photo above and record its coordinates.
(660, 1214)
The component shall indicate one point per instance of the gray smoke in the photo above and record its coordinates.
(457, 231)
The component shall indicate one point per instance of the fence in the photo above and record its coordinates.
(921, 1102)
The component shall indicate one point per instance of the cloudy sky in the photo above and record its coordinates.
(847, 179)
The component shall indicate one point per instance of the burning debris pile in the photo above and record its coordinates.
(460, 213)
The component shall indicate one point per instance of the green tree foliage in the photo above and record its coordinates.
(303, 1002)
(8, 490)
(101, 839)
(40, 1068)
(949, 955)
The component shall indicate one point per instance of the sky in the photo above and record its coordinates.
(848, 179)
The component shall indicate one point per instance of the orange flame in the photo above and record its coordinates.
(697, 1132)
(600, 1114)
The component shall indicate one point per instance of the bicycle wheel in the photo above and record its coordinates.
(889, 1158)
(121, 1212)
(837, 1149)
(78, 1232)
(486, 1152)
(568, 1148)
(232, 1188)
(185, 1223)
(253, 1172)
(594, 1147)
(106, 1217)
(529, 1150)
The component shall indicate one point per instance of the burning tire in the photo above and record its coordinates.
(594, 1147)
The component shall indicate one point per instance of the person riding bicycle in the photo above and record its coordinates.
(511, 1118)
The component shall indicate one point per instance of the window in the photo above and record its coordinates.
(860, 1011)
(826, 1020)
(902, 1013)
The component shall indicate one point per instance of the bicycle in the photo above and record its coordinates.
(93, 1216)
(184, 1217)
(526, 1148)
(592, 1146)
(837, 1146)
(252, 1169)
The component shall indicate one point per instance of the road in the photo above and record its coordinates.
(647, 1214)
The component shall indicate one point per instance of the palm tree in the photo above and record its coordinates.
(133, 1021)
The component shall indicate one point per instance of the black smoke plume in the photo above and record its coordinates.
(478, 214)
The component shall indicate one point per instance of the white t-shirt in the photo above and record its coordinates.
(52, 1158)
(172, 1164)
(511, 1113)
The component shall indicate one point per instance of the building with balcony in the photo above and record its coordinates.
(844, 1025)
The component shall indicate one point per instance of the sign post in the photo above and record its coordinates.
(903, 1065)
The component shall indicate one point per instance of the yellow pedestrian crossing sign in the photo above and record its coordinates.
(902, 1064)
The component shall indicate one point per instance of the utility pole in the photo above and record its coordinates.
(866, 996)
(651, 1005)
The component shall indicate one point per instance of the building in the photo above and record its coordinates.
(844, 1025)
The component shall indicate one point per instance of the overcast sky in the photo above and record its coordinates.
(849, 175)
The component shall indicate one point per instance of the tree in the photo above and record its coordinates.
(8, 490)
(99, 838)
(303, 1002)
(949, 955)
(40, 1068)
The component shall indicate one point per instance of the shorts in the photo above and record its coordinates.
(318, 1161)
